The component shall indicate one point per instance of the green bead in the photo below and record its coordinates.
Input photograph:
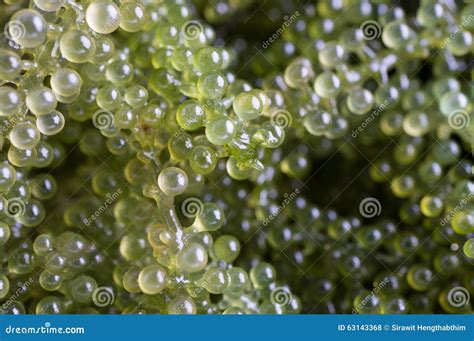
(468, 248)
(77, 46)
(190, 115)
(431, 206)
(66, 82)
(181, 305)
(10, 65)
(317, 123)
(332, 54)
(419, 277)
(452, 101)
(360, 101)
(221, 130)
(103, 16)
(41, 100)
(152, 279)
(417, 124)
(24, 135)
(366, 303)
(132, 248)
(298, 73)
(463, 222)
(50, 281)
(49, 5)
(82, 288)
(327, 85)
(50, 305)
(215, 280)
(211, 218)
(397, 34)
(109, 97)
(4, 286)
(236, 171)
(119, 72)
(238, 280)
(212, 85)
(173, 181)
(130, 280)
(203, 160)
(461, 43)
(27, 28)
(10, 101)
(207, 59)
(248, 105)
(227, 248)
(192, 258)
(395, 305)
(4, 233)
(132, 16)
(7, 176)
(262, 275)
(43, 244)
(22, 157)
(51, 123)
(136, 96)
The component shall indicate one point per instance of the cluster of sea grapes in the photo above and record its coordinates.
(141, 174)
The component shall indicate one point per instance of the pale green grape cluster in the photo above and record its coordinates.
(144, 171)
